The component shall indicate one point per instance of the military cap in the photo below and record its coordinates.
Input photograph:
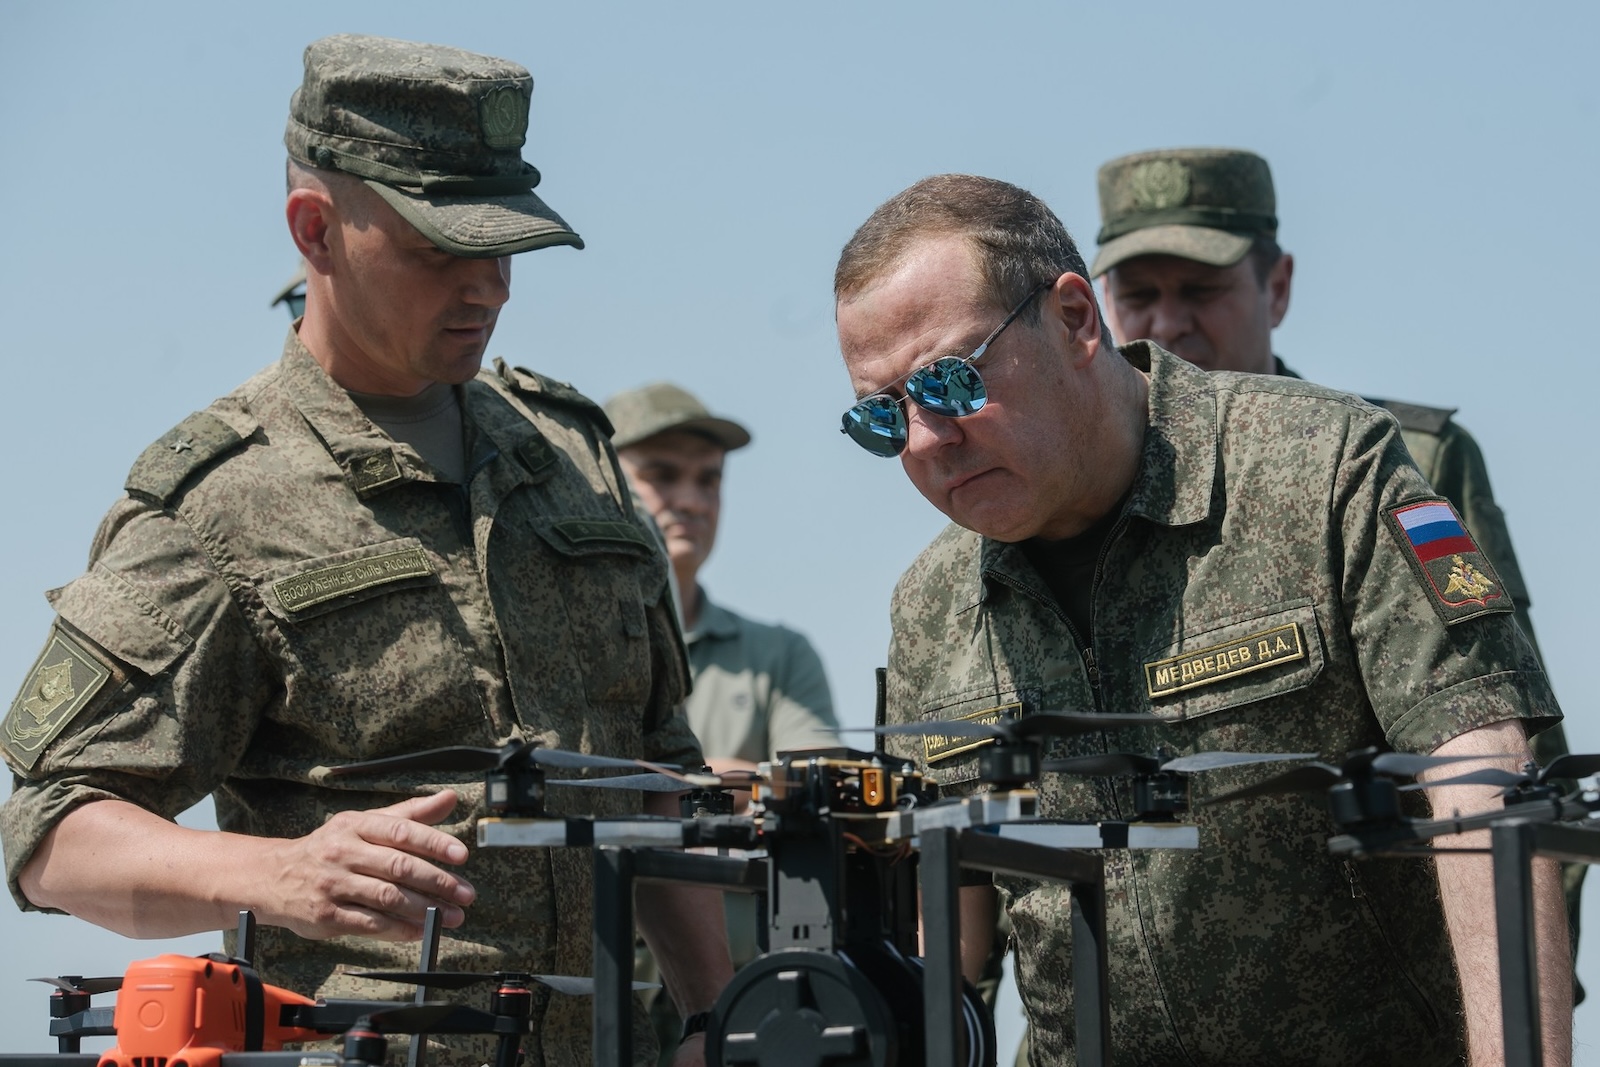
(435, 131)
(662, 406)
(1204, 204)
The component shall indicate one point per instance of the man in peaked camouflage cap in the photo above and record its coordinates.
(1254, 561)
(374, 547)
(1189, 258)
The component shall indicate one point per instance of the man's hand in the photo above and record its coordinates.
(368, 873)
(692, 1053)
(371, 873)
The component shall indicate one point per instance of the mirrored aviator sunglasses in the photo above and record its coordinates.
(950, 386)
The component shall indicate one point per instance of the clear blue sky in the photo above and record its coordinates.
(1436, 168)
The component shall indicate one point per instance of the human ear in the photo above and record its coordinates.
(1278, 285)
(309, 214)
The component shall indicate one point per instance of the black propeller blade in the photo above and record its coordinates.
(1041, 724)
(580, 987)
(1129, 764)
(72, 983)
(1363, 765)
(473, 758)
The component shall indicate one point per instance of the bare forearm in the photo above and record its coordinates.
(686, 932)
(979, 909)
(119, 866)
(370, 873)
(1466, 887)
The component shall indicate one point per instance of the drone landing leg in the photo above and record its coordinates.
(941, 947)
(613, 957)
(430, 960)
(1513, 848)
(1090, 977)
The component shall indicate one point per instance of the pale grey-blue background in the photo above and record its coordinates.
(1437, 174)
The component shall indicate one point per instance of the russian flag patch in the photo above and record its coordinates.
(1459, 579)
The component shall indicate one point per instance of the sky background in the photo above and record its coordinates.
(1436, 172)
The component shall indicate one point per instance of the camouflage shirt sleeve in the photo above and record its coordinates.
(183, 686)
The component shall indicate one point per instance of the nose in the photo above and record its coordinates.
(488, 282)
(927, 433)
(1169, 321)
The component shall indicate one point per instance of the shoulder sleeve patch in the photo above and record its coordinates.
(1457, 577)
(530, 383)
(178, 454)
(1415, 416)
(65, 677)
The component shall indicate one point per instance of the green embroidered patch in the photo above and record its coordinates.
(318, 585)
(63, 679)
(936, 747)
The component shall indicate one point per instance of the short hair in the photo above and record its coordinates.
(1018, 240)
(1264, 254)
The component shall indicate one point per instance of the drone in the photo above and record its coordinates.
(215, 1011)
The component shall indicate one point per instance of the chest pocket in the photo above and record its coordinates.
(605, 571)
(1237, 662)
(951, 759)
(370, 645)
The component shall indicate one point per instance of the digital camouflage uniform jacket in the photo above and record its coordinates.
(286, 588)
(1255, 536)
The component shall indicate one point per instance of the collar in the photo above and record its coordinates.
(715, 621)
(1178, 460)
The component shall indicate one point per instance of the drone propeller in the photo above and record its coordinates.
(578, 987)
(1040, 724)
(72, 983)
(1567, 766)
(1360, 766)
(473, 758)
(667, 781)
(1129, 764)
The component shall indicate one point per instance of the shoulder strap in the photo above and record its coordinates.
(173, 459)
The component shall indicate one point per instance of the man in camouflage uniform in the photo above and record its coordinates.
(371, 548)
(1241, 556)
(759, 689)
(1189, 259)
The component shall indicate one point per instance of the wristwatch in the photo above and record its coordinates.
(694, 1024)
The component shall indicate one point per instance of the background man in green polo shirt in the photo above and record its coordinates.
(759, 689)
(1189, 259)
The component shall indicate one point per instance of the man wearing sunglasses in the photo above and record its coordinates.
(1253, 559)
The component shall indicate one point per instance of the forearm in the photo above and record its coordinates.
(122, 867)
(1466, 887)
(979, 909)
(686, 932)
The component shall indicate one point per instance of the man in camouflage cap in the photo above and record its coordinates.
(1190, 259)
(759, 689)
(372, 548)
(1255, 561)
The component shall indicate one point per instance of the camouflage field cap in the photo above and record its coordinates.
(662, 406)
(436, 131)
(1204, 204)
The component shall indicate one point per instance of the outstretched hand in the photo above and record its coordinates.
(372, 873)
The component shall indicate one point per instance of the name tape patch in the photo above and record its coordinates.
(1460, 581)
(1252, 652)
(301, 591)
(62, 681)
(936, 747)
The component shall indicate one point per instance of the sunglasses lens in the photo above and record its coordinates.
(877, 425)
(950, 387)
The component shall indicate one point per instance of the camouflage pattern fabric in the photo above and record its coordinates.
(305, 594)
(1255, 516)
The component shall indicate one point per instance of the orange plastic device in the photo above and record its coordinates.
(186, 1011)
